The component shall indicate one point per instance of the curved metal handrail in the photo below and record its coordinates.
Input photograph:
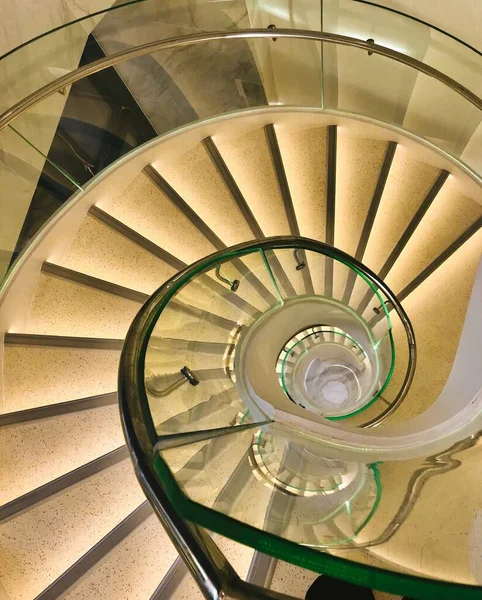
(241, 34)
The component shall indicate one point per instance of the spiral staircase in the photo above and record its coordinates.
(257, 200)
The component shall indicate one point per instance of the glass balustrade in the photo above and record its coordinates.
(252, 462)
(84, 126)
(241, 358)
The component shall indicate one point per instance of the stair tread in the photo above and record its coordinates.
(216, 406)
(437, 312)
(249, 161)
(147, 210)
(304, 155)
(56, 409)
(134, 568)
(74, 521)
(59, 445)
(35, 376)
(99, 251)
(448, 217)
(195, 177)
(408, 183)
(359, 162)
(185, 398)
(68, 308)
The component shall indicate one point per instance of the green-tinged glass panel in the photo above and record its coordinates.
(189, 365)
(277, 487)
(340, 358)
(347, 520)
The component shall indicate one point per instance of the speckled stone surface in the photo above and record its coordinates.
(188, 590)
(304, 155)
(358, 164)
(249, 160)
(216, 405)
(185, 326)
(292, 580)
(133, 570)
(62, 307)
(165, 356)
(42, 543)
(36, 376)
(195, 178)
(101, 252)
(220, 457)
(437, 312)
(408, 183)
(217, 299)
(238, 555)
(35, 453)
(147, 210)
(304, 160)
(440, 537)
(448, 217)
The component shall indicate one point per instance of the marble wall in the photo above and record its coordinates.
(177, 86)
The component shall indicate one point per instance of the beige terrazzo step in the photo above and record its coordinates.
(450, 214)
(147, 210)
(221, 456)
(304, 154)
(102, 252)
(239, 557)
(437, 312)
(196, 179)
(441, 546)
(36, 376)
(407, 185)
(72, 522)
(358, 165)
(133, 569)
(63, 307)
(249, 160)
(219, 394)
(37, 452)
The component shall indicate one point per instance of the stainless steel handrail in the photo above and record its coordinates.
(241, 34)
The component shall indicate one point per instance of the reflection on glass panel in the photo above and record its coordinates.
(36, 188)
